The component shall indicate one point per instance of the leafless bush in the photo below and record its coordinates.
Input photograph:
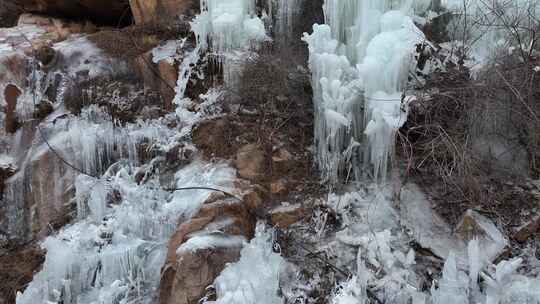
(471, 140)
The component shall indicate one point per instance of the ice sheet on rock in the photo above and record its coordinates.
(16, 38)
(211, 241)
(6, 161)
(168, 51)
(432, 232)
(219, 176)
(81, 55)
(255, 277)
(92, 141)
(428, 228)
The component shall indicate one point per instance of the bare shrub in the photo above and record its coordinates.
(472, 142)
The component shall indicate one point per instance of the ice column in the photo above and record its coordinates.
(360, 62)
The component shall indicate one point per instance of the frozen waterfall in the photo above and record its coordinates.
(360, 61)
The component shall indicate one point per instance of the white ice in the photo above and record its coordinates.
(360, 62)
(254, 279)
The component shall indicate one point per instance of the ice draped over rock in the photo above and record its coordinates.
(360, 61)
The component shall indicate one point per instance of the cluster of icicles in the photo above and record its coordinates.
(360, 61)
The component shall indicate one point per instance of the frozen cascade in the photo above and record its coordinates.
(226, 27)
(114, 253)
(360, 62)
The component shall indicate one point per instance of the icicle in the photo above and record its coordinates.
(360, 62)
(453, 286)
(255, 277)
(227, 25)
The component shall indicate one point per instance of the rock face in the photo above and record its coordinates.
(251, 162)
(201, 247)
(38, 195)
(285, 215)
(11, 95)
(146, 11)
(160, 76)
(108, 11)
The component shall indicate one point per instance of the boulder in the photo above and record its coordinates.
(200, 249)
(147, 11)
(213, 138)
(251, 162)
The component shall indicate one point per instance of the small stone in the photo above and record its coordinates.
(527, 230)
(279, 187)
(285, 215)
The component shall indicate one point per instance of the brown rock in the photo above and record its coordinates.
(146, 69)
(11, 95)
(147, 11)
(188, 272)
(43, 109)
(527, 230)
(18, 268)
(282, 162)
(49, 196)
(160, 77)
(469, 227)
(251, 162)
(279, 187)
(168, 73)
(212, 137)
(285, 215)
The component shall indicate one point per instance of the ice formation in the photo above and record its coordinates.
(373, 247)
(360, 61)
(227, 25)
(114, 253)
(489, 26)
(255, 277)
